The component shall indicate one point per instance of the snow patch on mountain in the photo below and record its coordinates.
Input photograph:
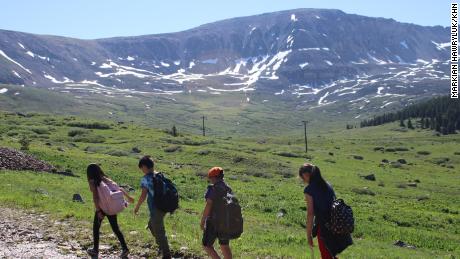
(54, 80)
(210, 61)
(303, 65)
(441, 46)
(404, 44)
(3, 90)
(13, 61)
(308, 49)
(16, 74)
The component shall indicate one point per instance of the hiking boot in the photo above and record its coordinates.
(93, 252)
(124, 253)
(167, 256)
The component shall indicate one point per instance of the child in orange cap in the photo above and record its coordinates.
(217, 186)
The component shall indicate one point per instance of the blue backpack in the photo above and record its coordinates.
(166, 197)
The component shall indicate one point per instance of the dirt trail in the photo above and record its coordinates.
(27, 234)
(32, 235)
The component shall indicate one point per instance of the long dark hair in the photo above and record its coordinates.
(94, 172)
(315, 175)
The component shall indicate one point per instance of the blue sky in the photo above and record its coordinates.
(90, 19)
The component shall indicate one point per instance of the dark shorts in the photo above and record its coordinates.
(210, 236)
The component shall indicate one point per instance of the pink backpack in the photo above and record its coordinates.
(111, 198)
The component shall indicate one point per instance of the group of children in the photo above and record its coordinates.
(156, 225)
(319, 197)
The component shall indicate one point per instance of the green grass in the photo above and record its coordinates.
(227, 114)
(263, 176)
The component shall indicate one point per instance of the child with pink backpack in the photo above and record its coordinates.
(109, 200)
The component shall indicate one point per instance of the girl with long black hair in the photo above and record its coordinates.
(319, 197)
(95, 176)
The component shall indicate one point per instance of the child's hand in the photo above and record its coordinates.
(310, 241)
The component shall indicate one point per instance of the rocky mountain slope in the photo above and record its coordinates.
(321, 56)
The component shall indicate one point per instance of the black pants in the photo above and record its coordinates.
(115, 228)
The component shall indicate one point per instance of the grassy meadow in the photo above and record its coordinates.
(263, 172)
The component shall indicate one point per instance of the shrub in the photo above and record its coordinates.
(424, 153)
(396, 165)
(203, 152)
(262, 175)
(440, 160)
(401, 186)
(40, 130)
(76, 132)
(25, 143)
(358, 157)
(89, 125)
(457, 153)
(95, 149)
(401, 149)
(171, 149)
(423, 197)
(12, 133)
(287, 154)
(118, 153)
(390, 150)
(379, 148)
(286, 173)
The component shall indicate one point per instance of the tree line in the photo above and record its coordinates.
(441, 114)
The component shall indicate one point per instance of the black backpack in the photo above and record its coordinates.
(227, 216)
(166, 197)
(342, 221)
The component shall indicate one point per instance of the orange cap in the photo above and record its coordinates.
(215, 171)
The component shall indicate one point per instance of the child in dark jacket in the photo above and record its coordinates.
(216, 178)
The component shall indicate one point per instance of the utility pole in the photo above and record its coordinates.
(305, 134)
(204, 129)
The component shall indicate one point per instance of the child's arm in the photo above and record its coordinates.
(141, 200)
(95, 196)
(310, 216)
(126, 194)
(206, 213)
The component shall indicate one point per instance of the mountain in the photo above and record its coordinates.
(317, 56)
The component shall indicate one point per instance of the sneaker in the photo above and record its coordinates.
(124, 253)
(92, 252)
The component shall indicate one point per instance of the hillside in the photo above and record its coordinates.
(314, 57)
(410, 200)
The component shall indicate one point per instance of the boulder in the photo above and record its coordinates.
(77, 198)
(370, 177)
(402, 161)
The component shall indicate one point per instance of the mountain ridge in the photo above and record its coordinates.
(300, 52)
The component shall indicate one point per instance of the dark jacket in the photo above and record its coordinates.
(322, 202)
